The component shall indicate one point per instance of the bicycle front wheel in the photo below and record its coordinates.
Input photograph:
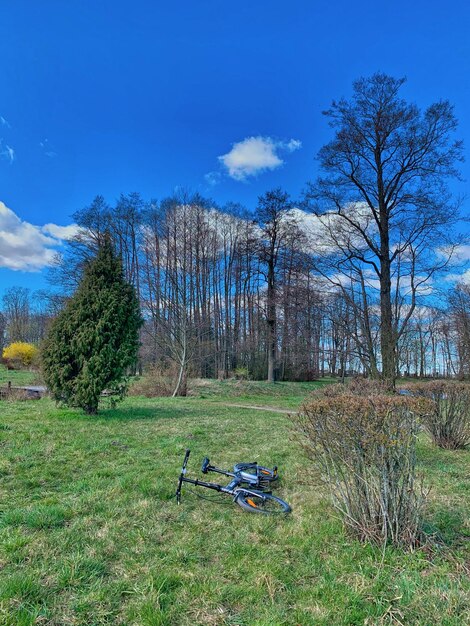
(264, 503)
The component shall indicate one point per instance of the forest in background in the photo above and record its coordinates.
(201, 274)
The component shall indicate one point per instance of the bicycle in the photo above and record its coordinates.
(253, 498)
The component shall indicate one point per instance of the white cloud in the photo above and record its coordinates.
(459, 255)
(458, 258)
(7, 152)
(325, 232)
(48, 150)
(255, 155)
(4, 122)
(464, 278)
(26, 247)
(212, 178)
(293, 144)
(60, 232)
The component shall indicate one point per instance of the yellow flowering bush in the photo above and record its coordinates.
(20, 354)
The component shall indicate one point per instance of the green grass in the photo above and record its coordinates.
(91, 535)
(284, 395)
(17, 377)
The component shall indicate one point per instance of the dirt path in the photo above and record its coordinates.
(260, 408)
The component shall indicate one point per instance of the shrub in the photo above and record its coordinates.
(241, 373)
(365, 449)
(94, 340)
(14, 395)
(448, 421)
(354, 387)
(157, 382)
(20, 354)
(367, 386)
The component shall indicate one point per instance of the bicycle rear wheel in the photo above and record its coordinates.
(264, 503)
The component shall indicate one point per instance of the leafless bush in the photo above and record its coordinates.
(448, 421)
(365, 449)
(355, 386)
(14, 395)
(155, 383)
(10, 364)
(359, 386)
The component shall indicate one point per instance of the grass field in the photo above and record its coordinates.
(22, 377)
(90, 533)
(283, 395)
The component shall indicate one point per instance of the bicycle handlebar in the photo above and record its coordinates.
(186, 457)
(183, 472)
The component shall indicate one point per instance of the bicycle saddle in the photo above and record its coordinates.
(205, 465)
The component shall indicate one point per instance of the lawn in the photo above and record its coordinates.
(21, 377)
(283, 395)
(91, 534)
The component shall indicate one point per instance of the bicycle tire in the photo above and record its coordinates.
(264, 503)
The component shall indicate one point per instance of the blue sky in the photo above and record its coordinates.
(111, 96)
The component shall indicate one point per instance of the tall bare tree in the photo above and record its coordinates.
(3, 329)
(93, 222)
(384, 197)
(459, 309)
(17, 311)
(274, 221)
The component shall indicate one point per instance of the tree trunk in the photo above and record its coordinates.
(387, 339)
(271, 325)
(181, 382)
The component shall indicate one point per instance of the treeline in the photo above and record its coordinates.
(220, 289)
(203, 276)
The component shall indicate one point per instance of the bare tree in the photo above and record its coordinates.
(459, 309)
(3, 328)
(175, 285)
(384, 198)
(93, 222)
(274, 220)
(17, 310)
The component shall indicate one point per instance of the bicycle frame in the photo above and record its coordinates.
(233, 488)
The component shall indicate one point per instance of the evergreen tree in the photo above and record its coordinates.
(95, 337)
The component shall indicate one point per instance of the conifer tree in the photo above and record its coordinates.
(95, 338)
